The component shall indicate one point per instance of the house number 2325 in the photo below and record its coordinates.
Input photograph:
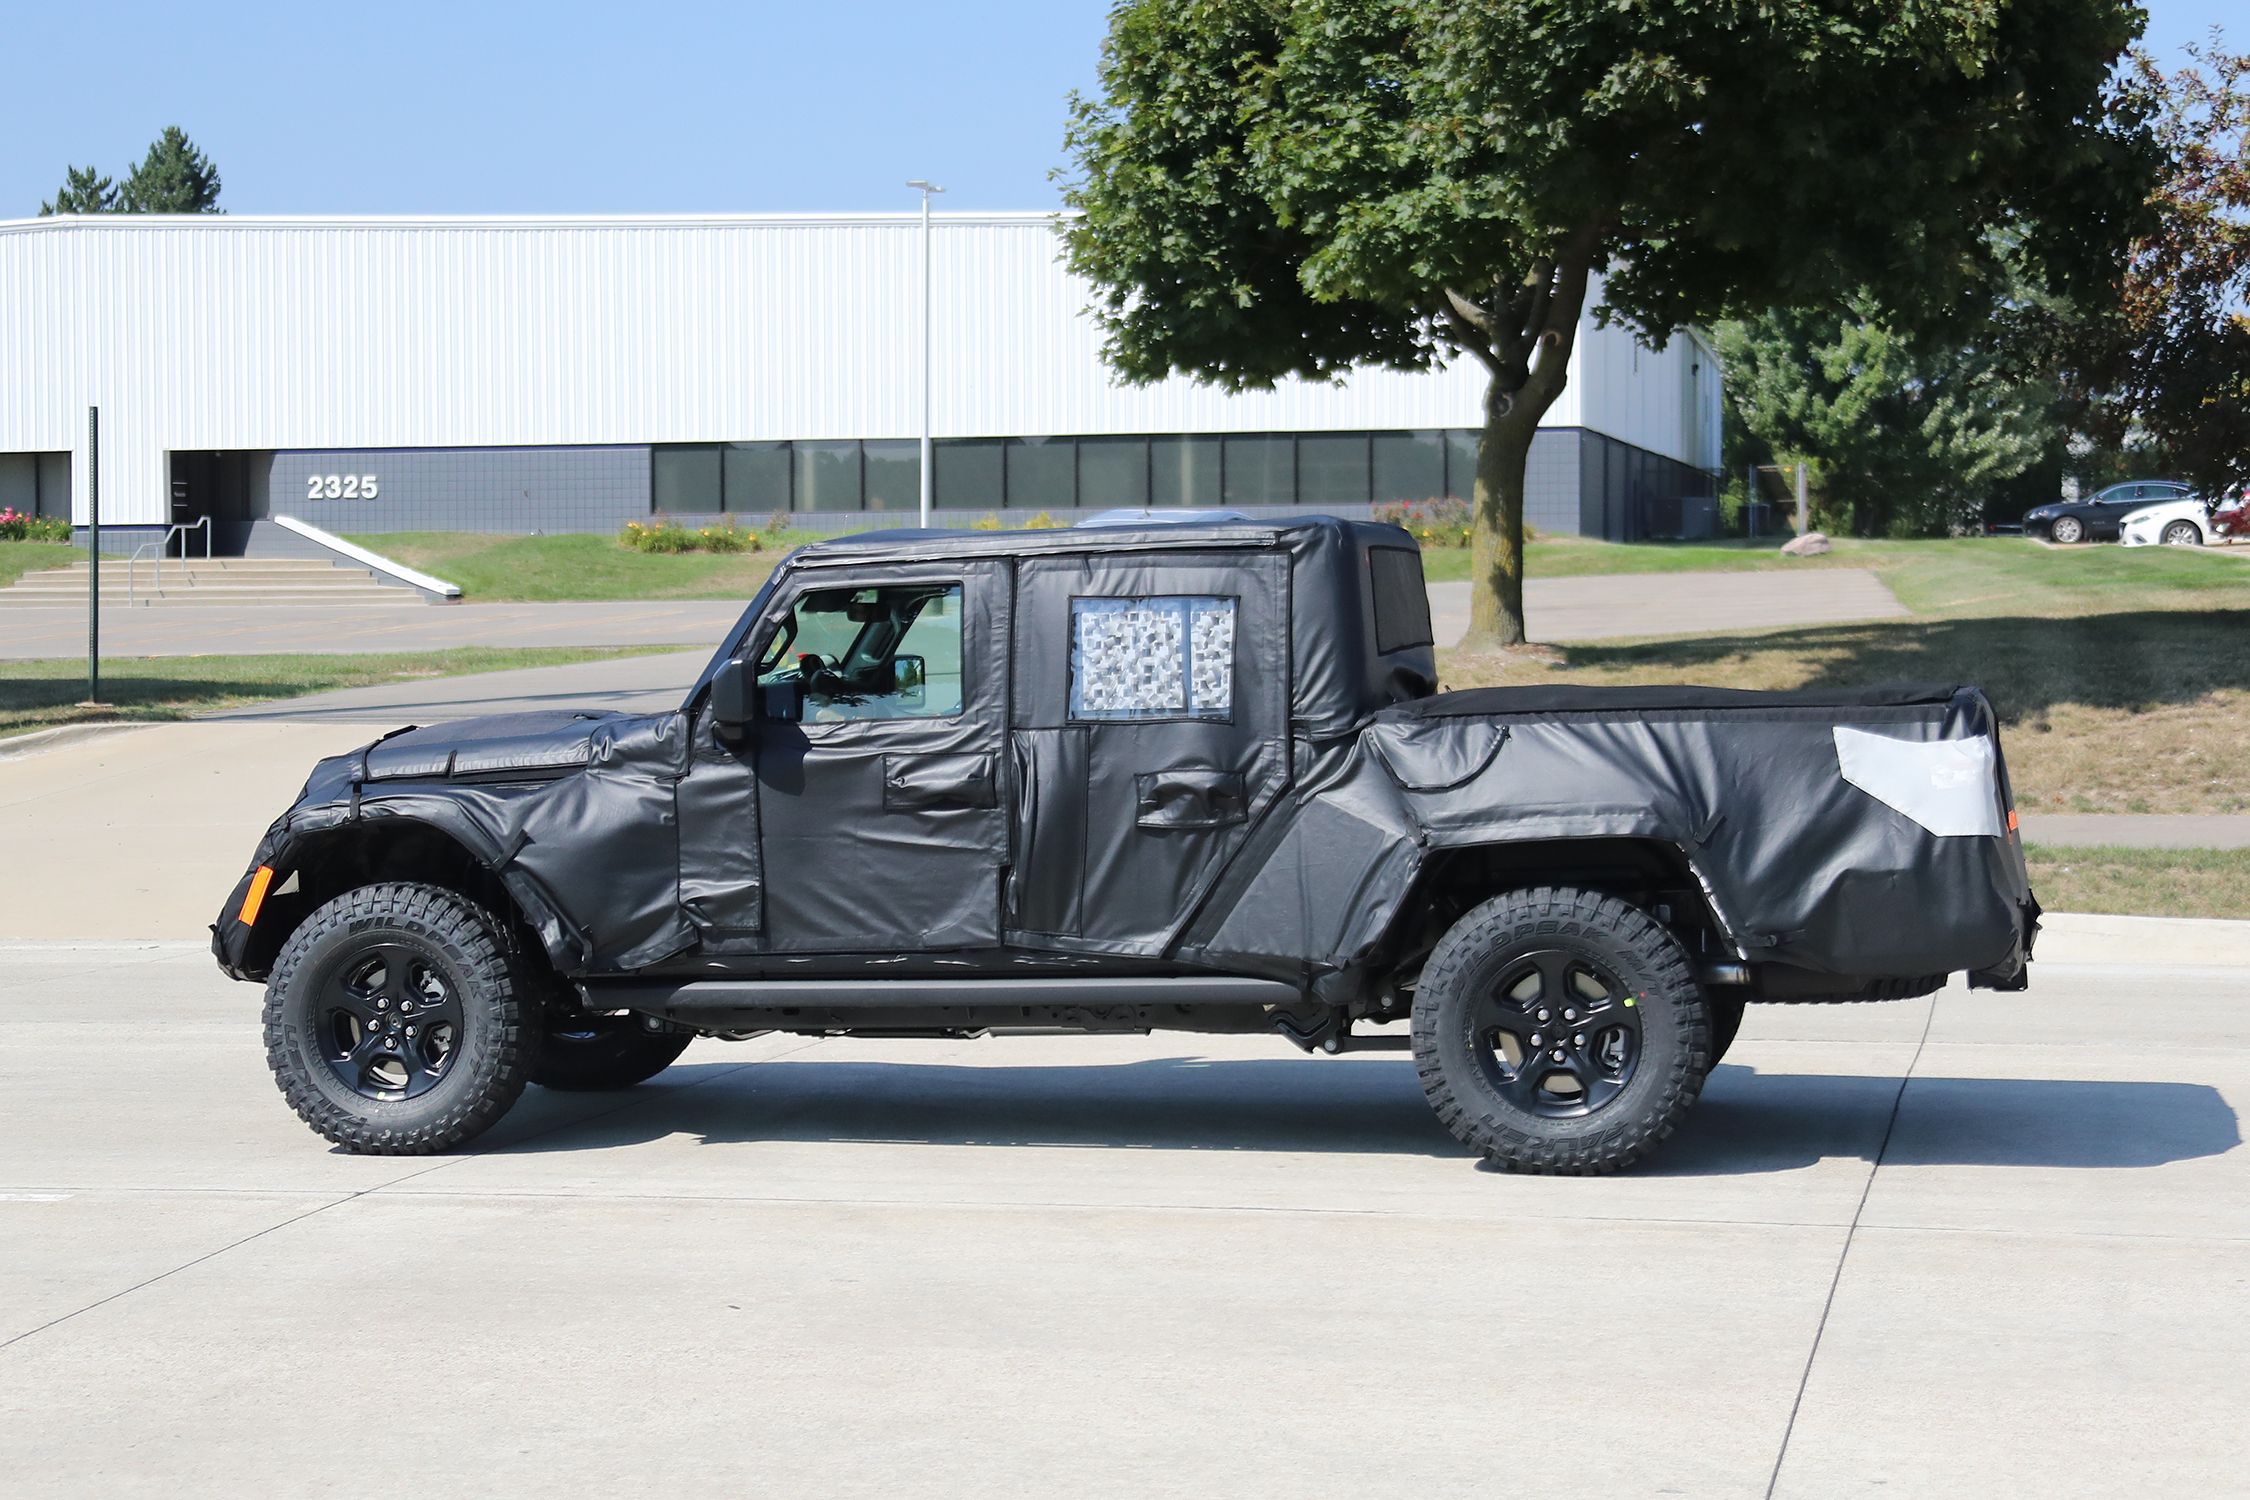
(340, 487)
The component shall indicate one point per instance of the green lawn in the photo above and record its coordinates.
(2122, 677)
(1969, 575)
(42, 693)
(19, 558)
(2142, 882)
(518, 568)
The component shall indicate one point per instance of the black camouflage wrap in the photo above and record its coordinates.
(1281, 835)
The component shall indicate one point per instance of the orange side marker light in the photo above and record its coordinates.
(257, 895)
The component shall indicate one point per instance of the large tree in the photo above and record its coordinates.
(1293, 187)
(1912, 436)
(174, 178)
(2165, 361)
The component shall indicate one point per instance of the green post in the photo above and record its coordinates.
(93, 554)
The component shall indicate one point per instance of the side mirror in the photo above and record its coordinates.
(909, 677)
(783, 700)
(731, 712)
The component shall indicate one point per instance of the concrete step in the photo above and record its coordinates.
(247, 568)
(236, 581)
(374, 598)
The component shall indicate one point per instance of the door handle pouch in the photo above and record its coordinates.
(1190, 799)
(919, 783)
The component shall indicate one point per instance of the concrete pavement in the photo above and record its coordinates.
(1997, 1253)
(1558, 609)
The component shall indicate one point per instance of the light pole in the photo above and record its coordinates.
(927, 188)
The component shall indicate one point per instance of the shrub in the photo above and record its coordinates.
(1434, 523)
(1041, 522)
(989, 521)
(16, 526)
(666, 536)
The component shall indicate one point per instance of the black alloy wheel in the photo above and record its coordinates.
(1559, 1034)
(395, 1022)
(1560, 1030)
(390, 1022)
(596, 1052)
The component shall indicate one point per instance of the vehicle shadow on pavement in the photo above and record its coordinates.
(1746, 1122)
(1749, 1121)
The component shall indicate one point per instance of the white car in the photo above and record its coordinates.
(2178, 523)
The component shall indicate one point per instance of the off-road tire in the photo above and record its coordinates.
(604, 1052)
(1726, 1022)
(492, 1056)
(2182, 534)
(1675, 1038)
(2068, 531)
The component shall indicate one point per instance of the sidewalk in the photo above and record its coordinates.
(1559, 609)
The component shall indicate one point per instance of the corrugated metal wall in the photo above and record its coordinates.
(238, 333)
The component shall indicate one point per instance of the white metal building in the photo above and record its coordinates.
(558, 374)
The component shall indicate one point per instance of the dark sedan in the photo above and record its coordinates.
(2097, 517)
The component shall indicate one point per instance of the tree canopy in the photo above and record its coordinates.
(1293, 187)
(1911, 436)
(175, 177)
(2166, 359)
(85, 190)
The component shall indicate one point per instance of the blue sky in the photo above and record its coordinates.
(569, 106)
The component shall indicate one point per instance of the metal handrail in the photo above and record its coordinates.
(178, 529)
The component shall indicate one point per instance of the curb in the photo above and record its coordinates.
(18, 746)
(2090, 938)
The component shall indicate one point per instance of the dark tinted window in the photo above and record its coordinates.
(757, 476)
(968, 474)
(1402, 602)
(685, 480)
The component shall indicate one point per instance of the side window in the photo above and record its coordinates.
(889, 652)
(1166, 656)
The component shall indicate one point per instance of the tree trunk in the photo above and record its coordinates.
(1524, 339)
(1496, 539)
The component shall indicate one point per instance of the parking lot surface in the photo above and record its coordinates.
(1977, 1244)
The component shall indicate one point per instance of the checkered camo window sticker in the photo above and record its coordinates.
(1161, 657)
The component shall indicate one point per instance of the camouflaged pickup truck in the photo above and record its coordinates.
(1189, 777)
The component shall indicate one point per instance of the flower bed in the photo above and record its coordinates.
(15, 526)
(664, 535)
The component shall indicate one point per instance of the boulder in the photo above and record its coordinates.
(1811, 544)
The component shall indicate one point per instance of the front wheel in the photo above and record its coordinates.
(2182, 534)
(2068, 530)
(394, 1023)
(1560, 1030)
(586, 1053)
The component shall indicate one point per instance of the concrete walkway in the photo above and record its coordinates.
(2140, 830)
(1956, 1246)
(1559, 609)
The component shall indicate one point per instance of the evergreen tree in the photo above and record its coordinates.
(174, 178)
(1909, 437)
(84, 191)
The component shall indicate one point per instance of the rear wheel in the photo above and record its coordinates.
(2068, 530)
(2182, 534)
(393, 1021)
(1726, 1021)
(604, 1052)
(1560, 1030)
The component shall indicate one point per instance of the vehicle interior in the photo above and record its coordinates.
(889, 652)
